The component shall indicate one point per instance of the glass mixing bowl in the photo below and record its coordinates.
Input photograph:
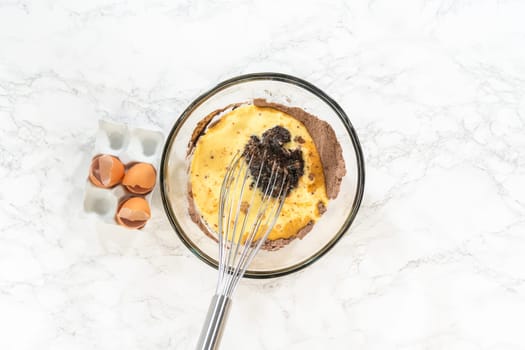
(290, 91)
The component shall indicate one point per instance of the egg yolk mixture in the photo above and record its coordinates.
(214, 151)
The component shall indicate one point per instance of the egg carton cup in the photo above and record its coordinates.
(130, 145)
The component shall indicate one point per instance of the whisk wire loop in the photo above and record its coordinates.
(241, 238)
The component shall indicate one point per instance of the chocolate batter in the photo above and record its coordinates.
(325, 141)
(330, 153)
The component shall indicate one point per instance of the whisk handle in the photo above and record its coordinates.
(214, 325)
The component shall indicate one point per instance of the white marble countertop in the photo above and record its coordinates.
(435, 90)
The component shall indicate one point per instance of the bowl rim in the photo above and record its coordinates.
(286, 79)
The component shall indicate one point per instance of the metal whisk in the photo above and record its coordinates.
(249, 205)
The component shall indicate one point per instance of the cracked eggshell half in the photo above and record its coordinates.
(140, 178)
(106, 171)
(133, 213)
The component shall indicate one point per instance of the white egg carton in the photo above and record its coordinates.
(130, 145)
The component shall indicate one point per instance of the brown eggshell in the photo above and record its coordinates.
(133, 213)
(140, 178)
(106, 171)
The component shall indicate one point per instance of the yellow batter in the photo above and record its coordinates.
(215, 149)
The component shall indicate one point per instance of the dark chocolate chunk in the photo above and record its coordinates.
(299, 139)
(321, 208)
(267, 155)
